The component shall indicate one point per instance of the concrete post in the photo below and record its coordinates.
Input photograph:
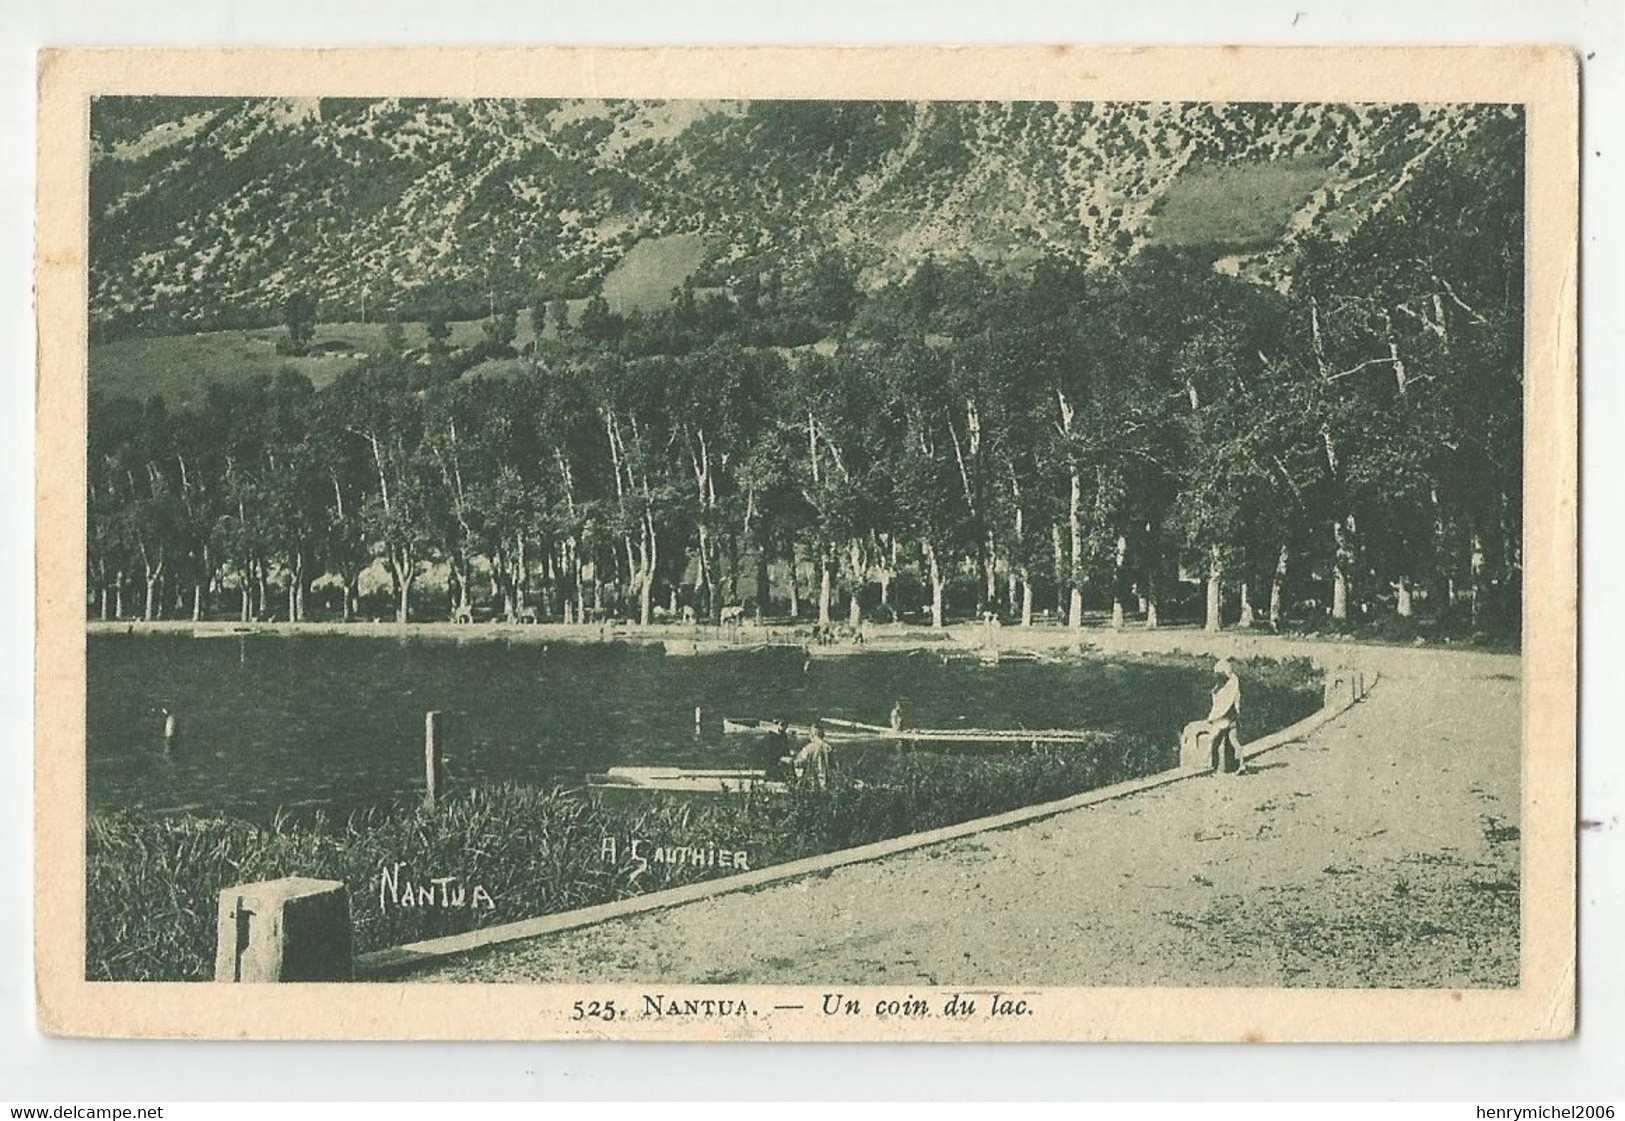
(434, 757)
(292, 929)
(1196, 747)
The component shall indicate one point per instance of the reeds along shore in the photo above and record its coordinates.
(152, 881)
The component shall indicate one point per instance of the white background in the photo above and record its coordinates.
(46, 1071)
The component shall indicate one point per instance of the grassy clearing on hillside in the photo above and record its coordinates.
(179, 368)
(650, 270)
(1238, 205)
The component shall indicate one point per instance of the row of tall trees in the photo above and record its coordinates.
(1342, 444)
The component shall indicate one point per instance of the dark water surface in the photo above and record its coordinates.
(271, 721)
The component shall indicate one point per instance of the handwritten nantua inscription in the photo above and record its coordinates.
(643, 853)
(448, 892)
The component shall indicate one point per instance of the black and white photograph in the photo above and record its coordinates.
(788, 566)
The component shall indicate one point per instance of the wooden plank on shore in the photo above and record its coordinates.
(838, 730)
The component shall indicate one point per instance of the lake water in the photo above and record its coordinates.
(272, 721)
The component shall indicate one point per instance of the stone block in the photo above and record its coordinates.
(292, 929)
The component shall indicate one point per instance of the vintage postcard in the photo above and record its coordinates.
(790, 544)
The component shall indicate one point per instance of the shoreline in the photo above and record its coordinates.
(1431, 670)
(679, 639)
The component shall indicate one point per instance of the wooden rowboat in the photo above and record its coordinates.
(960, 735)
(834, 732)
(838, 730)
(702, 648)
(837, 650)
(731, 726)
(685, 780)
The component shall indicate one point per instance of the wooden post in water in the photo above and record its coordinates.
(434, 756)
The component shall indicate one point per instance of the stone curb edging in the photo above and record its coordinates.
(401, 959)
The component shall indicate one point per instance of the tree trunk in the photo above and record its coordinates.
(1026, 602)
(1118, 581)
(1215, 589)
(521, 576)
(990, 576)
(1074, 613)
(580, 585)
(403, 610)
(1278, 589)
(106, 603)
(936, 584)
(1402, 597)
(764, 586)
(296, 609)
(713, 610)
(651, 556)
(854, 610)
(1342, 568)
(197, 601)
(825, 591)
(795, 583)
(1246, 620)
(149, 607)
(1060, 569)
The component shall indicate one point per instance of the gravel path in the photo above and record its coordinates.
(1384, 851)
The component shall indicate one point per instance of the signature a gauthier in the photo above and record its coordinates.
(640, 853)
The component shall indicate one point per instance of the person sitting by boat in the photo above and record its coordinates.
(777, 754)
(1224, 717)
(812, 761)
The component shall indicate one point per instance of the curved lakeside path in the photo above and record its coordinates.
(1381, 851)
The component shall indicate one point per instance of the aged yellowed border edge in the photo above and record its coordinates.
(1544, 79)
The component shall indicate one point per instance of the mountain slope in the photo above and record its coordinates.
(209, 212)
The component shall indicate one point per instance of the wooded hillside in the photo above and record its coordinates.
(1325, 427)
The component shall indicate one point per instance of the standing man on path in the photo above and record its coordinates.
(812, 761)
